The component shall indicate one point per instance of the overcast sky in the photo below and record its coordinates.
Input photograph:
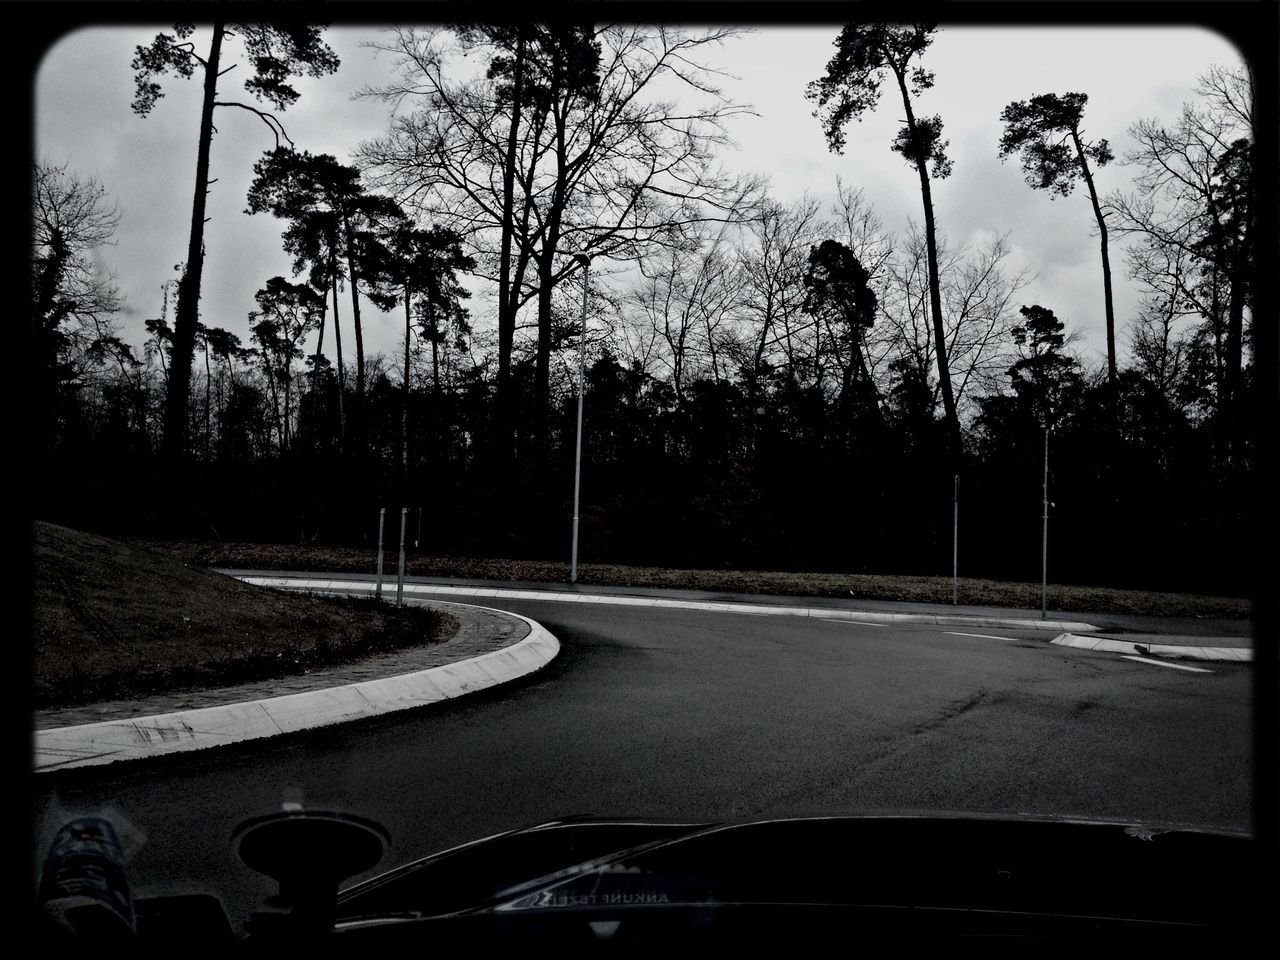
(83, 118)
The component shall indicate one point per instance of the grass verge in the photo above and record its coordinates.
(115, 620)
(340, 559)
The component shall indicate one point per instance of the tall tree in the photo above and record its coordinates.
(286, 313)
(565, 84)
(771, 268)
(1191, 206)
(277, 53)
(1046, 132)
(848, 89)
(978, 292)
(1044, 374)
(73, 304)
(607, 168)
(420, 267)
(838, 294)
(332, 221)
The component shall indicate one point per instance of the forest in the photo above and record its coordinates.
(766, 384)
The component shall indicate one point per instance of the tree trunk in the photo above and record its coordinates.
(315, 364)
(360, 425)
(184, 327)
(935, 285)
(506, 293)
(404, 410)
(1106, 260)
(288, 402)
(208, 414)
(337, 343)
(546, 268)
(435, 355)
(1236, 426)
(542, 365)
(355, 309)
(275, 397)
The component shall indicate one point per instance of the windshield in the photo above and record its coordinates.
(469, 426)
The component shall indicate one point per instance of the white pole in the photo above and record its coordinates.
(404, 514)
(1044, 537)
(577, 459)
(382, 515)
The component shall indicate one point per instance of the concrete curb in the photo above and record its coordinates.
(1182, 651)
(825, 613)
(94, 744)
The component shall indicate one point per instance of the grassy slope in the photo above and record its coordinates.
(113, 619)
(898, 588)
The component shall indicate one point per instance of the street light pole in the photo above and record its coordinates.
(585, 260)
(1044, 536)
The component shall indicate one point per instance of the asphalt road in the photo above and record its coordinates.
(691, 714)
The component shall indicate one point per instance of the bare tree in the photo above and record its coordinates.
(771, 270)
(74, 301)
(978, 294)
(687, 298)
(609, 171)
(1191, 201)
(1158, 342)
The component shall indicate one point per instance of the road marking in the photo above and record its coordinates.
(861, 623)
(1161, 663)
(984, 636)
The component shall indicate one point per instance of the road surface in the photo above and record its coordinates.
(652, 711)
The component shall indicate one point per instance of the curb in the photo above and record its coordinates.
(1182, 651)
(826, 613)
(64, 748)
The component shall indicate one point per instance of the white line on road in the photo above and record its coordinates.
(984, 636)
(1161, 663)
(861, 623)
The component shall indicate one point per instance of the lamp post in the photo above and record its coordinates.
(585, 260)
(1044, 536)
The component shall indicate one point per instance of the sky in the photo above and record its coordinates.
(83, 119)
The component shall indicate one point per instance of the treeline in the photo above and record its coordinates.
(769, 385)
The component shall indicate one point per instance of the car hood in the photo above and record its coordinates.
(919, 859)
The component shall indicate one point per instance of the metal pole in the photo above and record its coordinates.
(1044, 537)
(955, 546)
(577, 458)
(382, 515)
(404, 514)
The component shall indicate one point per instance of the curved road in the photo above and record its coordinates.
(651, 711)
